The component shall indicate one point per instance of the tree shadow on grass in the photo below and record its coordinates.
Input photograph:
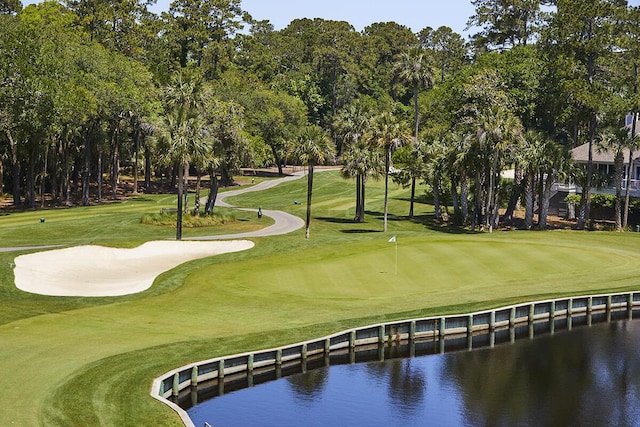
(430, 222)
(348, 221)
(337, 220)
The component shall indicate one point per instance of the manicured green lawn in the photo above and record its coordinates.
(73, 361)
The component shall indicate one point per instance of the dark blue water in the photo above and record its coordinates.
(589, 376)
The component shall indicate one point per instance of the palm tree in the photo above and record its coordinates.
(634, 142)
(183, 137)
(554, 163)
(543, 161)
(358, 159)
(616, 141)
(413, 67)
(387, 133)
(458, 164)
(529, 160)
(497, 133)
(438, 153)
(313, 147)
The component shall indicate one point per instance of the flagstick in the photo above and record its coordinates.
(396, 243)
(394, 239)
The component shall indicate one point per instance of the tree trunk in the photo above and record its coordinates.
(15, 170)
(1, 178)
(55, 177)
(213, 193)
(619, 176)
(99, 176)
(135, 162)
(413, 196)
(362, 197)
(31, 181)
(464, 198)
(491, 201)
(528, 200)
(196, 201)
(185, 187)
(627, 197)
(226, 176)
(66, 185)
(436, 196)
(455, 202)
(478, 203)
(277, 159)
(44, 174)
(147, 168)
(76, 177)
(544, 201)
(179, 209)
(416, 108)
(515, 195)
(358, 215)
(584, 214)
(115, 163)
(309, 192)
(85, 172)
(387, 159)
(540, 182)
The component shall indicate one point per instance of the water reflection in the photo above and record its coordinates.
(586, 377)
(590, 376)
(308, 387)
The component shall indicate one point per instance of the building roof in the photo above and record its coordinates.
(581, 155)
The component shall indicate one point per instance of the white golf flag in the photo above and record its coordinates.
(392, 240)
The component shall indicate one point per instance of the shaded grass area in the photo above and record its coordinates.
(95, 359)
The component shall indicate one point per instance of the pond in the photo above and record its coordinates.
(587, 376)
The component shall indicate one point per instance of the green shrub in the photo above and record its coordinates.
(188, 220)
(603, 201)
(573, 199)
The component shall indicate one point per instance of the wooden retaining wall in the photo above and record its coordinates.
(168, 387)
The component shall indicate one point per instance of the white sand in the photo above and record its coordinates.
(93, 271)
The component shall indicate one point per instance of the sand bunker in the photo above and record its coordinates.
(94, 271)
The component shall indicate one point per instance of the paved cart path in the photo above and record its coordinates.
(284, 222)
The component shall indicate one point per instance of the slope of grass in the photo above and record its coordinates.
(72, 361)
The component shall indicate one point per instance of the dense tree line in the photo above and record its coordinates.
(88, 87)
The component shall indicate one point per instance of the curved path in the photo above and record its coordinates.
(284, 222)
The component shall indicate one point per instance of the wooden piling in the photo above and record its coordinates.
(250, 363)
(221, 369)
(194, 376)
(175, 391)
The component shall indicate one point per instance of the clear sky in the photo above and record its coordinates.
(415, 14)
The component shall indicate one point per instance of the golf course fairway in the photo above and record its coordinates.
(69, 361)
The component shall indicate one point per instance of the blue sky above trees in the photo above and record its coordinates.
(415, 14)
